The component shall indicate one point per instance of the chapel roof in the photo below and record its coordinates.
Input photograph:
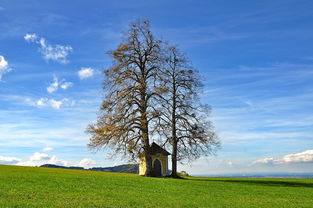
(155, 148)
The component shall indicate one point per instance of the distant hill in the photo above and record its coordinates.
(59, 166)
(126, 168)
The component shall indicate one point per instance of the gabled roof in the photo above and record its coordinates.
(154, 148)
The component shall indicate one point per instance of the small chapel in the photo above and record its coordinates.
(159, 158)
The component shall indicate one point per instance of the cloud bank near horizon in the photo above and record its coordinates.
(301, 157)
(41, 158)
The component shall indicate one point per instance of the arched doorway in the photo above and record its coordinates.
(157, 168)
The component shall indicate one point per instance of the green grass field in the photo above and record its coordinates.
(48, 187)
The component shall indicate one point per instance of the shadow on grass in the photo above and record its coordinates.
(262, 182)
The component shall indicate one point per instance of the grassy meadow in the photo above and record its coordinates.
(49, 187)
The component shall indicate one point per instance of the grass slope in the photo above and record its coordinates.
(48, 187)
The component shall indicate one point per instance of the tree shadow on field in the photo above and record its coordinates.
(263, 182)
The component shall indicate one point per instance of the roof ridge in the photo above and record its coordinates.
(155, 148)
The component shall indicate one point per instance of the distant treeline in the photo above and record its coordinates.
(127, 168)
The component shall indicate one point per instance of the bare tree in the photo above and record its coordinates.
(184, 120)
(130, 87)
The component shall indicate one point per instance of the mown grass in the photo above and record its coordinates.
(48, 187)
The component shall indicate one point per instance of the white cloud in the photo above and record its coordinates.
(42, 102)
(38, 159)
(45, 102)
(66, 85)
(55, 161)
(9, 160)
(4, 67)
(87, 163)
(297, 121)
(302, 157)
(55, 84)
(267, 160)
(85, 73)
(55, 103)
(30, 37)
(56, 53)
(39, 156)
(306, 156)
(48, 149)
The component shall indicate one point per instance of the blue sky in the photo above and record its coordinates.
(255, 57)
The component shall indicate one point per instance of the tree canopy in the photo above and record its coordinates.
(150, 89)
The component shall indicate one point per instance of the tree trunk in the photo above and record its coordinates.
(174, 137)
(149, 171)
(145, 132)
(145, 141)
(174, 160)
(145, 136)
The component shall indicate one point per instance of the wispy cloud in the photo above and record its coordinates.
(55, 84)
(56, 104)
(193, 36)
(299, 121)
(261, 135)
(262, 103)
(46, 102)
(257, 77)
(48, 149)
(48, 128)
(58, 53)
(39, 133)
(66, 85)
(4, 67)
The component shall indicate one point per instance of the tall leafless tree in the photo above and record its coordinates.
(130, 87)
(184, 120)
